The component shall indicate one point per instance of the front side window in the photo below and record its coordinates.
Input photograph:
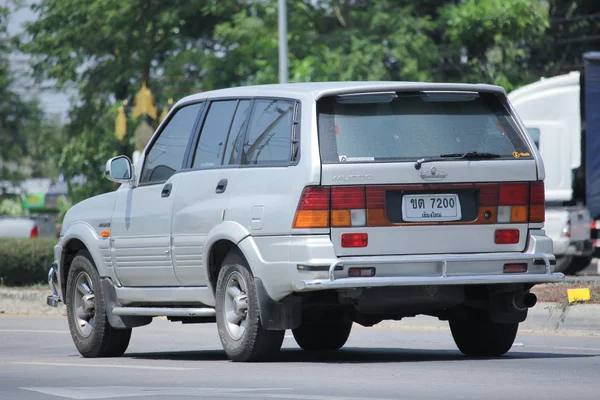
(167, 152)
(409, 126)
(269, 136)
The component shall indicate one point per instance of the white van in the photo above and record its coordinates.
(311, 207)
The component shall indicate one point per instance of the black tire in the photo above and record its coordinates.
(578, 263)
(563, 263)
(103, 340)
(255, 343)
(478, 336)
(323, 335)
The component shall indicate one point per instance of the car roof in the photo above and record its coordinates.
(316, 90)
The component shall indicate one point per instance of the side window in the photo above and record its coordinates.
(213, 136)
(269, 136)
(534, 133)
(166, 154)
(236, 134)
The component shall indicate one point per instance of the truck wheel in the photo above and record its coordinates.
(578, 263)
(562, 263)
(86, 313)
(238, 319)
(478, 336)
(323, 335)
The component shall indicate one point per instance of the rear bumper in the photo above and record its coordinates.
(448, 274)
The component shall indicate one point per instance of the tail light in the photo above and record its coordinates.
(537, 199)
(361, 206)
(507, 236)
(34, 232)
(355, 240)
(313, 208)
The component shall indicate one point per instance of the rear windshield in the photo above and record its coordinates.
(410, 126)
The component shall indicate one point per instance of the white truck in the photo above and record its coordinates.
(553, 111)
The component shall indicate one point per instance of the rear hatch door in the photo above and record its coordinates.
(426, 173)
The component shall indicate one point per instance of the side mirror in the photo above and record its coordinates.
(118, 169)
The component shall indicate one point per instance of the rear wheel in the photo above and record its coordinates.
(238, 319)
(323, 335)
(86, 313)
(479, 336)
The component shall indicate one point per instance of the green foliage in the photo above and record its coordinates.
(12, 207)
(178, 47)
(25, 261)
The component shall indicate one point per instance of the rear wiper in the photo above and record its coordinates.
(471, 155)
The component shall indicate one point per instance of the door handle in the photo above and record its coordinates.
(221, 186)
(166, 190)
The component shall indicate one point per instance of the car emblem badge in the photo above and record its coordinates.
(433, 174)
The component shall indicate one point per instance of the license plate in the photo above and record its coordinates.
(428, 208)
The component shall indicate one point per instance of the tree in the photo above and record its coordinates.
(19, 118)
(108, 50)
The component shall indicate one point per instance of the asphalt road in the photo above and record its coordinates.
(173, 361)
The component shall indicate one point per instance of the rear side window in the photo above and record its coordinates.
(534, 134)
(213, 136)
(269, 136)
(236, 133)
(409, 126)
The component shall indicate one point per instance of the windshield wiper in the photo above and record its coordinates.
(470, 155)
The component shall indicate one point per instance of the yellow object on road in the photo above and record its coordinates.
(578, 294)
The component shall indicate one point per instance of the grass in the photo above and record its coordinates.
(557, 292)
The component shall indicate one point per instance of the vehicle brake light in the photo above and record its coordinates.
(507, 236)
(34, 232)
(537, 199)
(514, 194)
(348, 198)
(355, 240)
(313, 208)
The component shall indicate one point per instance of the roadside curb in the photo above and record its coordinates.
(27, 302)
(581, 319)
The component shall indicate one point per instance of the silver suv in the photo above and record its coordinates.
(311, 207)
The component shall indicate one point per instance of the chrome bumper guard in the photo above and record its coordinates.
(54, 298)
(443, 279)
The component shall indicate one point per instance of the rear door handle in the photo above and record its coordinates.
(221, 186)
(166, 190)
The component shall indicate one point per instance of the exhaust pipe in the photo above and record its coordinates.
(523, 301)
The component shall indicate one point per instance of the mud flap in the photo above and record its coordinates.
(110, 301)
(278, 315)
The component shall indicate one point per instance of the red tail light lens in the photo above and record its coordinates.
(355, 240)
(34, 232)
(507, 236)
(314, 198)
(515, 194)
(348, 198)
(313, 208)
(536, 194)
(515, 268)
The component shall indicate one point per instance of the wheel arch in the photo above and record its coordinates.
(80, 237)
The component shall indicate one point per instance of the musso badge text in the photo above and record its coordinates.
(360, 177)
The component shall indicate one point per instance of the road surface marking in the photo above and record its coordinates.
(110, 392)
(79, 365)
(30, 331)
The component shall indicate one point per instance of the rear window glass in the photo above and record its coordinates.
(409, 126)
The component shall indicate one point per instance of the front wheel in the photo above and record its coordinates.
(238, 319)
(86, 313)
(479, 336)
